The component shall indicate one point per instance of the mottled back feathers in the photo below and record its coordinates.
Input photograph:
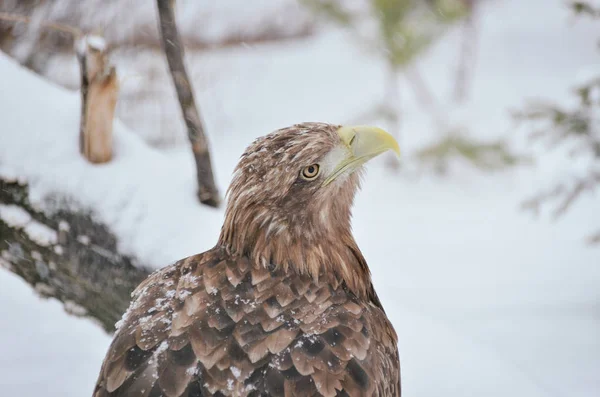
(213, 324)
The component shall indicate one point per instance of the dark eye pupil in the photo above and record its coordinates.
(310, 171)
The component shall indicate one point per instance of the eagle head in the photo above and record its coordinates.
(289, 203)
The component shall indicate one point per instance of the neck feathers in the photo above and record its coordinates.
(320, 246)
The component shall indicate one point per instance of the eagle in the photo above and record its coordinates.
(283, 305)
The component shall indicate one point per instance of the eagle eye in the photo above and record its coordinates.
(310, 172)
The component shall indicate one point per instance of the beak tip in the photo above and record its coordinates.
(380, 138)
(362, 143)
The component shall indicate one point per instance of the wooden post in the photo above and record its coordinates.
(99, 92)
(171, 41)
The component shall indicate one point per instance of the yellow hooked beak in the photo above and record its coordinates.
(363, 143)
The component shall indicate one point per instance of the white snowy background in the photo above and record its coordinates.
(486, 299)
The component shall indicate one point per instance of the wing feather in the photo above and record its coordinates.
(216, 325)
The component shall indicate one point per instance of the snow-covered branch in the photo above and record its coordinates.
(67, 256)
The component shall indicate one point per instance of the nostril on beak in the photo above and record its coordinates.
(352, 139)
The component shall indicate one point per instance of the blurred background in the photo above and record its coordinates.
(483, 240)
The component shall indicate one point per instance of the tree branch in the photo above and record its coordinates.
(6, 16)
(564, 193)
(467, 53)
(66, 256)
(207, 190)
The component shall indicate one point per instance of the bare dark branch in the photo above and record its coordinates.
(207, 190)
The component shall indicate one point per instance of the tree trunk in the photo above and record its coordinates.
(99, 92)
(467, 55)
(67, 256)
(207, 190)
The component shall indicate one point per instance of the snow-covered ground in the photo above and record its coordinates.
(486, 300)
(44, 349)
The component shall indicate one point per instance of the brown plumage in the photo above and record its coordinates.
(283, 305)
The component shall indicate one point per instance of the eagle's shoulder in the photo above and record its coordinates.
(213, 324)
(132, 362)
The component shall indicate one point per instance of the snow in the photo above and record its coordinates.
(92, 41)
(19, 218)
(486, 299)
(96, 42)
(14, 216)
(41, 234)
(44, 349)
(122, 200)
